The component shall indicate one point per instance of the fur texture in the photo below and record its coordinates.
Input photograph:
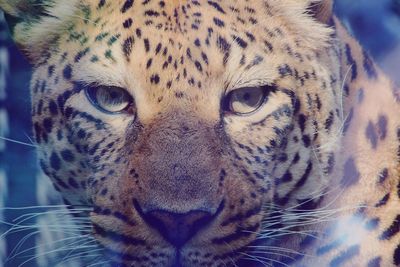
(309, 178)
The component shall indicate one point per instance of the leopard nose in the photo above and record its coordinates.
(178, 228)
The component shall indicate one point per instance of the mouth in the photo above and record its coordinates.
(177, 261)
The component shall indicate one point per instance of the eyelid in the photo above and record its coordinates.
(250, 84)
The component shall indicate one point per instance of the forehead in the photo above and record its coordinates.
(185, 49)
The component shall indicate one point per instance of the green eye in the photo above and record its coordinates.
(110, 99)
(247, 99)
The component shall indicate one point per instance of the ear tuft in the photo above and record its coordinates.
(307, 19)
(322, 10)
(23, 9)
(35, 23)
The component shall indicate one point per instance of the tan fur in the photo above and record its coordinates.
(273, 177)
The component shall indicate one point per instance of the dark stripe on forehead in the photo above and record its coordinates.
(216, 6)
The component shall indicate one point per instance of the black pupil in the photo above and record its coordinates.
(246, 96)
(114, 95)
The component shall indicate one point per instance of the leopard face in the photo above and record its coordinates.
(181, 123)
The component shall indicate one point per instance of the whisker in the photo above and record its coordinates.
(17, 142)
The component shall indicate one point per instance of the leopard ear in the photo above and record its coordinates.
(322, 10)
(36, 24)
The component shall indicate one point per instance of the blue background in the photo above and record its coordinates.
(375, 23)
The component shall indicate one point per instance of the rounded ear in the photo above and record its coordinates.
(36, 24)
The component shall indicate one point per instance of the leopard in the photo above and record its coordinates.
(215, 133)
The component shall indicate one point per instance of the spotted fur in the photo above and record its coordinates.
(309, 179)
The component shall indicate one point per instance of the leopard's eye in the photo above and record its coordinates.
(110, 99)
(246, 100)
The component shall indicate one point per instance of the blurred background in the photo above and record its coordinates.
(375, 23)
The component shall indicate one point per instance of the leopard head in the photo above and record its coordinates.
(182, 124)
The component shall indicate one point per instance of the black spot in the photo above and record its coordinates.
(372, 224)
(302, 122)
(369, 66)
(345, 256)
(285, 70)
(330, 163)
(396, 256)
(204, 57)
(306, 140)
(48, 125)
(329, 121)
(127, 46)
(392, 230)
(382, 127)
(383, 201)
(155, 79)
(350, 173)
(242, 43)
(151, 13)
(371, 135)
(53, 108)
(101, 3)
(250, 36)
(146, 45)
(223, 44)
(351, 62)
(383, 175)
(309, 240)
(81, 54)
(128, 23)
(286, 178)
(67, 73)
(116, 237)
(81, 134)
(73, 183)
(330, 246)
(50, 70)
(104, 192)
(127, 5)
(305, 176)
(375, 262)
(216, 6)
(198, 66)
(398, 189)
(219, 22)
(268, 46)
(360, 95)
(179, 94)
(55, 162)
(67, 155)
(138, 33)
(149, 62)
(296, 158)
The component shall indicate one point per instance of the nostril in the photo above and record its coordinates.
(178, 228)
